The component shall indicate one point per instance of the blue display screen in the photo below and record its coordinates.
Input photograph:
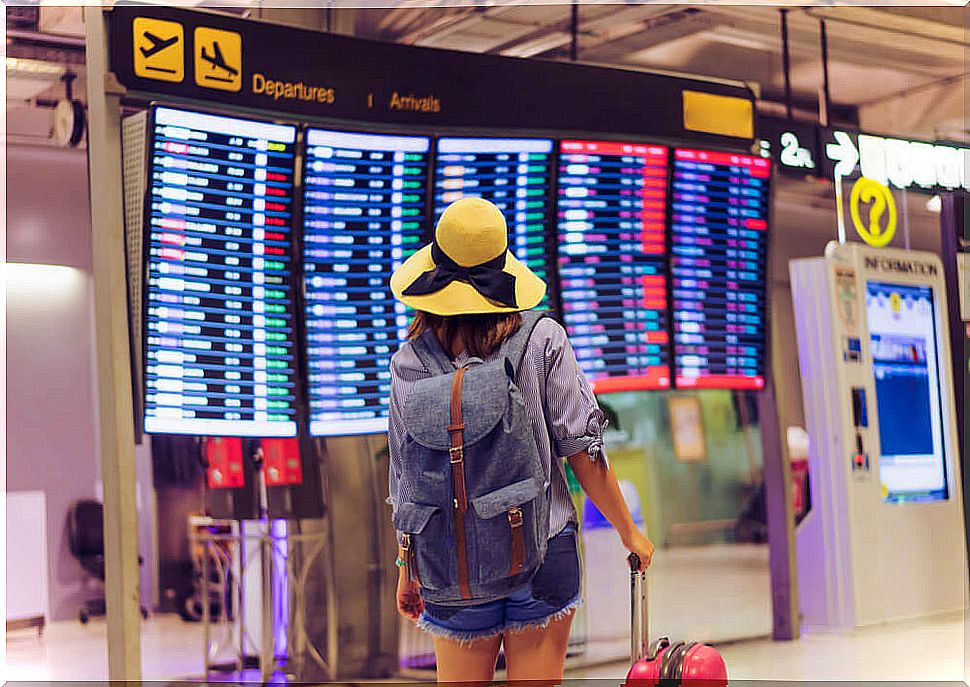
(513, 173)
(903, 341)
(220, 333)
(363, 209)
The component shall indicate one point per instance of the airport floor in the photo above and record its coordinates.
(930, 649)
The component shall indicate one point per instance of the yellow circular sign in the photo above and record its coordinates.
(881, 206)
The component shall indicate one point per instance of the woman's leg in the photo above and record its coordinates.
(539, 655)
(471, 663)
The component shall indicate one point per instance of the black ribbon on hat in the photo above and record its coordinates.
(489, 278)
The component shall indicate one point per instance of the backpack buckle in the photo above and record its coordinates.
(457, 454)
(515, 517)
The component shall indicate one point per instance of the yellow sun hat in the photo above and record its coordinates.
(467, 269)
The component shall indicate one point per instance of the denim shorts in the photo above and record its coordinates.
(553, 593)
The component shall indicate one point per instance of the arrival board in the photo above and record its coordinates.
(363, 214)
(219, 311)
(719, 229)
(612, 262)
(513, 173)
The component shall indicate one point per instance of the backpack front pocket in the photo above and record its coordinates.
(428, 550)
(507, 530)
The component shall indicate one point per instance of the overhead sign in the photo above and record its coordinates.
(158, 49)
(896, 162)
(218, 59)
(310, 74)
(804, 148)
(793, 145)
(873, 212)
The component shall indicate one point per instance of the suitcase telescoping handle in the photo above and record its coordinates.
(639, 631)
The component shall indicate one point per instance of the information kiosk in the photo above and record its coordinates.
(884, 539)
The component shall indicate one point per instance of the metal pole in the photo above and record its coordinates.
(115, 413)
(206, 617)
(786, 61)
(574, 33)
(825, 101)
(906, 218)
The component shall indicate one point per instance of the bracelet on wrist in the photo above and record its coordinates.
(400, 562)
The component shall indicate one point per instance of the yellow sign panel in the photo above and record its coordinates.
(218, 59)
(159, 49)
(718, 114)
(880, 228)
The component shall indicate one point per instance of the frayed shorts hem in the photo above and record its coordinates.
(510, 627)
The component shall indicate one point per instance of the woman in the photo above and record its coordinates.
(469, 290)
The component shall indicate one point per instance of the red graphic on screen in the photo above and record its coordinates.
(224, 456)
(281, 462)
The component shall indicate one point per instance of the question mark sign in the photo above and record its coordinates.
(871, 195)
(869, 191)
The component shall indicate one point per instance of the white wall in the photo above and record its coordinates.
(52, 430)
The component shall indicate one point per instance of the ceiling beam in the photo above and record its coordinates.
(654, 32)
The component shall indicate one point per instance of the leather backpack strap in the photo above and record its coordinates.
(457, 458)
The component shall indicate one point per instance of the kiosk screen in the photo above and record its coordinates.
(912, 465)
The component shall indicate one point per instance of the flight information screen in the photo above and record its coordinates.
(364, 211)
(906, 368)
(719, 228)
(612, 262)
(513, 173)
(219, 315)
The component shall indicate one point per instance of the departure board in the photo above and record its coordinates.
(513, 173)
(613, 262)
(364, 212)
(219, 308)
(719, 228)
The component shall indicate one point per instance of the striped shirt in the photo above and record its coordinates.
(566, 419)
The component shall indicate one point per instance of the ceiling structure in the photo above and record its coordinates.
(895, 70)
(898, 70)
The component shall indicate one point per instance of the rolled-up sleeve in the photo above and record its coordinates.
(395, 439)
(575, 419)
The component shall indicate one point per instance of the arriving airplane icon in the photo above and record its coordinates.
(158, 44)
(218, 62)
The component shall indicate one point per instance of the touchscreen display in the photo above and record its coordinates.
(912, 466)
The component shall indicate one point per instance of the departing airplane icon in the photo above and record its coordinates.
(218, 62)
(158, 44)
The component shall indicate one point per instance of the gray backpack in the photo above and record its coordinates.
(474, 508)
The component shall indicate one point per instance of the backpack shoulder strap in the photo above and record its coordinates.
(515, 346)
(431, 355)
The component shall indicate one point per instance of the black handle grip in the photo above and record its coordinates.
(634, 561)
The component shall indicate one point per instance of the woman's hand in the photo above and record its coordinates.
(637, 542)
(409, 602)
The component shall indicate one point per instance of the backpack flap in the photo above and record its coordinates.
(501, 500)
(412, 518)
(484, 401)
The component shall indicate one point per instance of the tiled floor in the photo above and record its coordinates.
(931, 649)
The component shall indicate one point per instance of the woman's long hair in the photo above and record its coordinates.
(481, 335)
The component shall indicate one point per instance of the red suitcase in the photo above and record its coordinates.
(692, 664)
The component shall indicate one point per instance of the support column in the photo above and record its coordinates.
(114, 372)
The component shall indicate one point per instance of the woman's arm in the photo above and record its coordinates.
(599, 482)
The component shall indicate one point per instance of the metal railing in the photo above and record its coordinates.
(285, 562)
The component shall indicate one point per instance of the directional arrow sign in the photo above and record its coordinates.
(845, 152)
